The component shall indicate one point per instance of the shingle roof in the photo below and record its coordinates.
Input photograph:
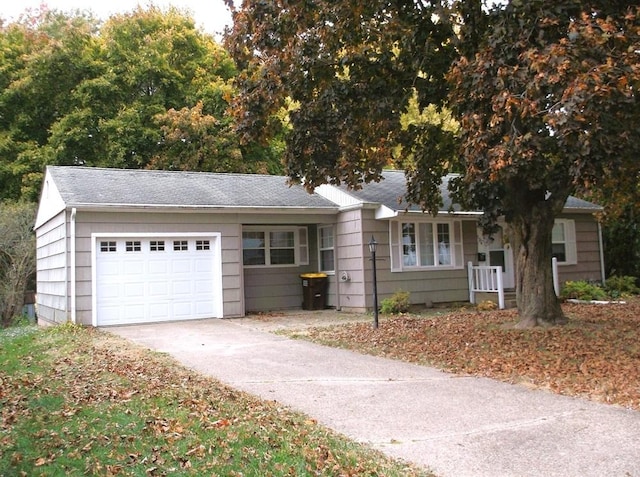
(392, 190)
(136, 187)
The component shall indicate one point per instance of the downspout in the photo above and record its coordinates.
(66, 271)
(600, 244)
(73, 265)
(335, 267)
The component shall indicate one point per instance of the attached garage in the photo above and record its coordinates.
(152, 278)
(121, 246)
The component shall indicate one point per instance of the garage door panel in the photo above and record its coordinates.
(158, 266)
(147, 284)
(158, 289)
(182, 310)
(159, 311)
(132, 312)
(110, 291)
(202, 286)
(181, 265)
(110, 268)
(134, 289)
(203, 266)
(203, 308)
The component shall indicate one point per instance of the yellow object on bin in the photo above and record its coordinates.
(313, 275)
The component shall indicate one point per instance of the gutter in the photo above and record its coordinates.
(230, 209)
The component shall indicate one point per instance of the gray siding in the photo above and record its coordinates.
(280, 288)
(349, 250)
(169, 223)
(355, 229)
(588, 249)
(435, 286)
(52, 292)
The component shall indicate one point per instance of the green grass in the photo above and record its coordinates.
(77, 401)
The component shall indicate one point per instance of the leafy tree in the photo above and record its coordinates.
(117, 94)
(548, 107)
(17, 257)
(348, 70)
(546, 98)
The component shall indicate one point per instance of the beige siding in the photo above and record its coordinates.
(280, 288)
(355, 229)
(169, 223)
(52, 292)
(434, 286)
(350, 259)
(588, 247)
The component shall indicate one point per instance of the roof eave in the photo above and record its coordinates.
(298, 210)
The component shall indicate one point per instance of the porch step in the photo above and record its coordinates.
(509, 298)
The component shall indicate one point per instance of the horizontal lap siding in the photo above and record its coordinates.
(437, 286)
(588, 247)
(170, 223)
(280, 288)
(350, 260)
(52, 270)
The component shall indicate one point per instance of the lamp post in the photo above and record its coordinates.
(373, 245)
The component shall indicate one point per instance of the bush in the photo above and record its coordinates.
(487, 305)
(17, 257)
(582, 290)
(398, 303)
(620, 286)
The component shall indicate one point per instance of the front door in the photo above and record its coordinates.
(494, 251)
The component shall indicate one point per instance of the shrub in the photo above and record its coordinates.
(487, 305)
(398, 303)
(17, 257)
(582, 290)
(617, 286)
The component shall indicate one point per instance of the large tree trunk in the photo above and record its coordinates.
(536, 299)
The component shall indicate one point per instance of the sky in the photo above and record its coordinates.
(210, 15)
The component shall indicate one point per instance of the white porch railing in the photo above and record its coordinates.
(485, 279)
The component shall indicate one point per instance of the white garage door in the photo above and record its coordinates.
(151, 279)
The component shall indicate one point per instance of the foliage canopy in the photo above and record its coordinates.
(546, 96)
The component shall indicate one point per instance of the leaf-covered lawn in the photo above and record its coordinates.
(77, 401)
(597, 355)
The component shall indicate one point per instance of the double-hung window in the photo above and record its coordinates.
(426, 244)
(274, 246)
(563, 241)
(326, 248)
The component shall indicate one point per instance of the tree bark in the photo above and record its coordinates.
(537, 302)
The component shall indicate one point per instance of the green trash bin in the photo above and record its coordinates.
(314, 291)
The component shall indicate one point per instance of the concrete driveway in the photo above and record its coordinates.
(456, 426)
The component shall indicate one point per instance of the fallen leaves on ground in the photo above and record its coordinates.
(596, 355)
(77, 401)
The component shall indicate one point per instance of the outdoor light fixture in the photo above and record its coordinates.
(373, 245)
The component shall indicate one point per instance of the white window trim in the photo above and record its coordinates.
(300, 245)
(321, 249)
(395, 239)
(570, 245)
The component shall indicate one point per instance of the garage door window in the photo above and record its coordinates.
(133, 246)
(203, 245)
(156, 245)
(180, 245)
(108, 246)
